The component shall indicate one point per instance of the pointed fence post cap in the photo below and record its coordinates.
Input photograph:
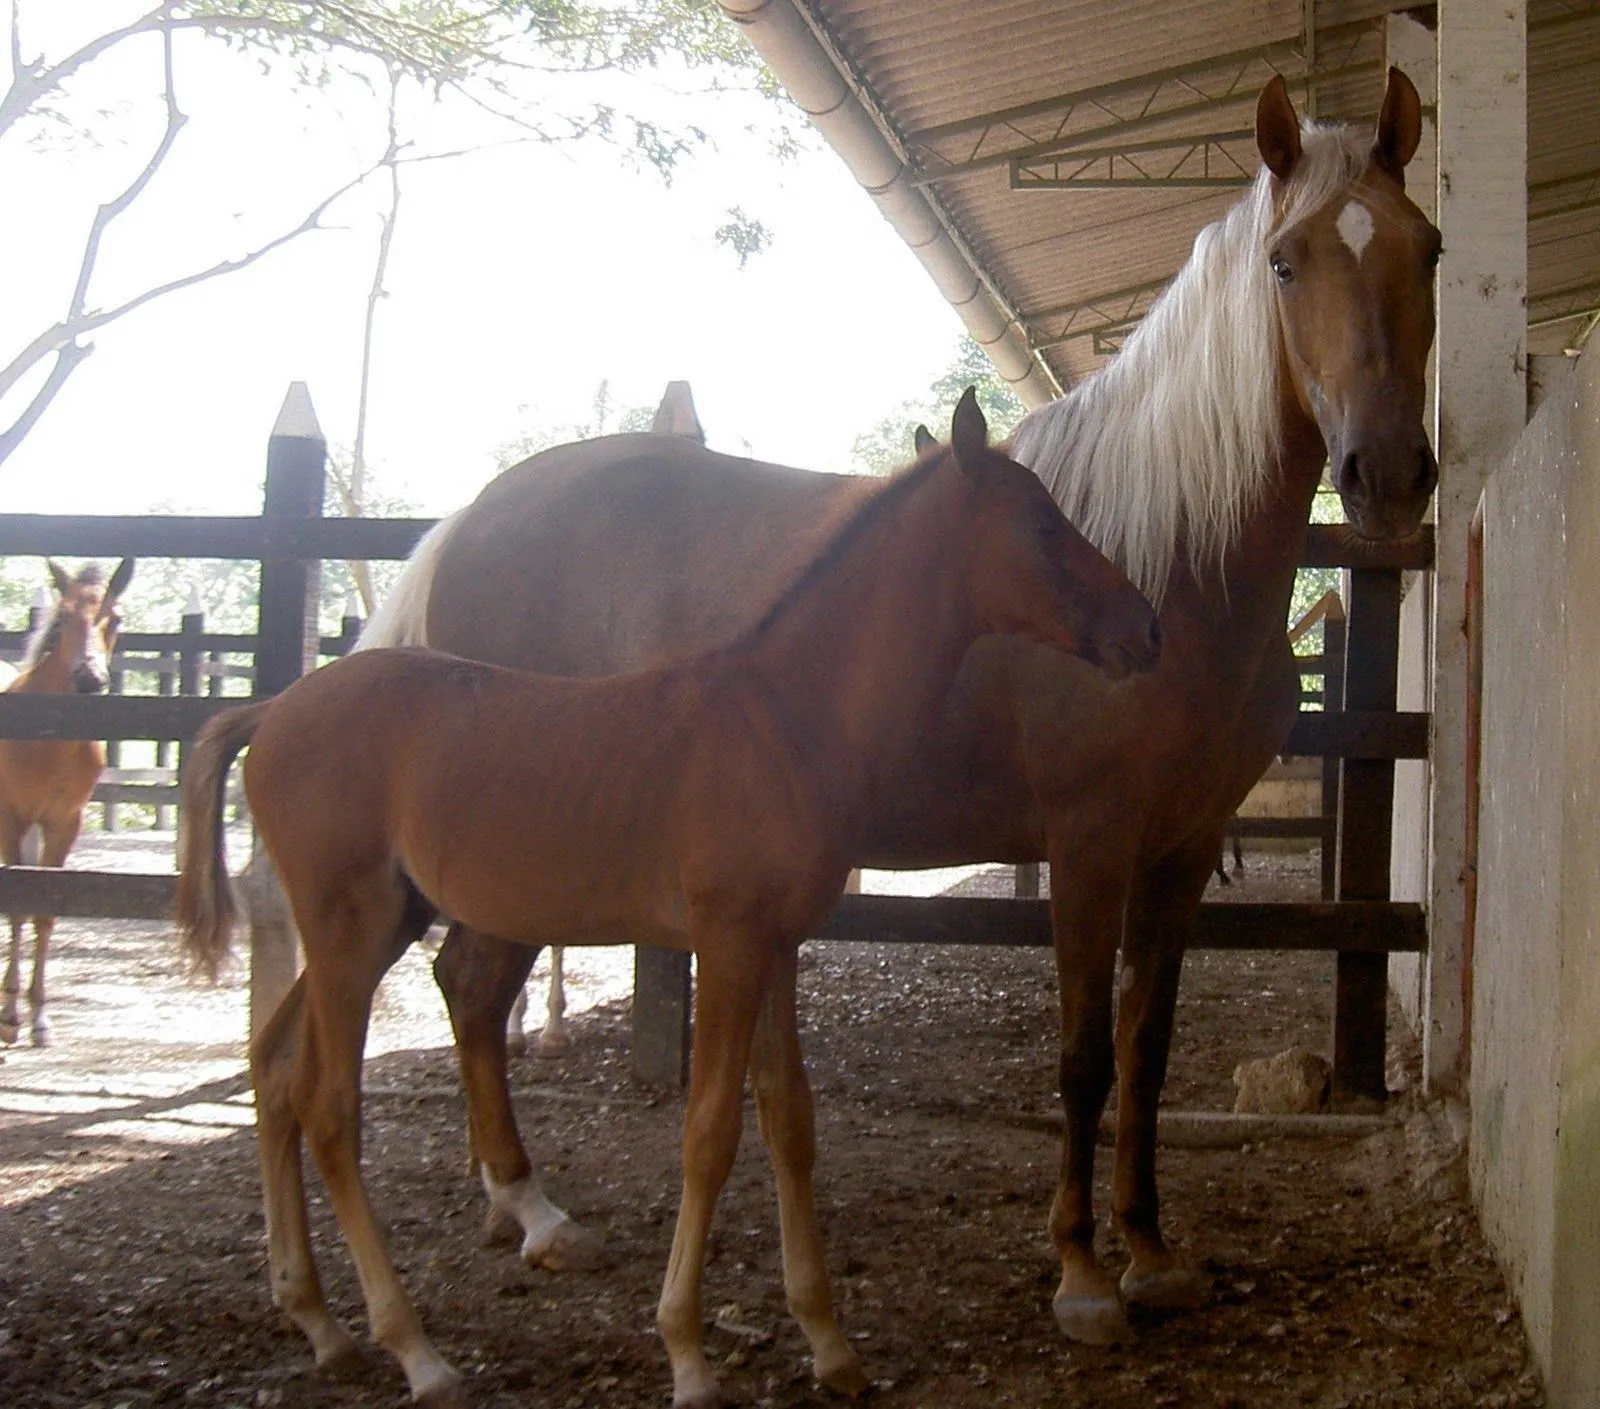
(352, 607)
(297, 417)
(42, 599)
(192, 605)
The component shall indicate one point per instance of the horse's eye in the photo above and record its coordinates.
(1434, 256)
(1280, 267)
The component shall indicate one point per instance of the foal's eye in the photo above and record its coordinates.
(1280, 267)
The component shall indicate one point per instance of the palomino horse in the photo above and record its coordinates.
(1298, 331)
(710, 805)
(46, 783)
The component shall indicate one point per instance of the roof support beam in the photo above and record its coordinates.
(795, 46)
(1208, 160)
(1117, 309)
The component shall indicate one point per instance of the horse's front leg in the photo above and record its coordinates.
(732, 968)
(553, 1037)
(1161, 915)
(11, 833)
(788, 1129)
(57, 838)
(480, 977)
(1087, 905)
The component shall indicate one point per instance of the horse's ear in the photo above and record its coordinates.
(59, 576)
(119, 580)
(1277, 129)
(922, 441)
(969, 432)
(1399, 126)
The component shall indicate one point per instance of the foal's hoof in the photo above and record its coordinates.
(552, 1044)
(9, 1032)
(1175, 1288)
(1092, 1320)
(447, 1394)
(500, 1229)
(338, 1355)
(846, 1378)
(564, 1247)
(516, 1046)
(41, 1034)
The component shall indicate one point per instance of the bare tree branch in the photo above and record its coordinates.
(67, 360)
(16, 39)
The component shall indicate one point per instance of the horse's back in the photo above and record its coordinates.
(613, 554)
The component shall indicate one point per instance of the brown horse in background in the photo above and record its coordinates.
(712, 805)
(1298, 331)
(46, 783)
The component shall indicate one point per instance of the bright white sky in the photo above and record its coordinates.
(519, 279)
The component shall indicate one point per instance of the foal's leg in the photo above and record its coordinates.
(1086, 904)
(553, 1038)
(1161, 915)
(784, 1111)
(57, 835)
(293, 1269)
(731, 982)
(350, 941)
(516, 1036)
(479, 977)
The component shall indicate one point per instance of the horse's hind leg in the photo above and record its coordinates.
(731, 982)
(784, 1111)
(553, 1036)
(293, 1269)
(480, 977)
(350, 941)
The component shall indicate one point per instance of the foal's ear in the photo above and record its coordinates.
(969, 432)
(59, 576)
(1399, 126)
(1277, 129)
(922, 441)
(119, 581)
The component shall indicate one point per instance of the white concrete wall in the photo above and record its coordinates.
(1535, 1049)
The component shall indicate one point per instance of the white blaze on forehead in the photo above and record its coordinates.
(1355, 228)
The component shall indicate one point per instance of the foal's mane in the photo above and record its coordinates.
(872, 509)
(1174, 440)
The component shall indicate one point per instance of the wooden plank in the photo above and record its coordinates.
(208, 536)
(1283, 827)
(148, 794)
(947, 919)
(252, 538)
(662, 1003)
(1337, 545)
(106, 716)
(1360, 733)
(122, 895)
(875, 919)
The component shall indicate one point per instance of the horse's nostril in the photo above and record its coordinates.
(1350, 475)
(1428, 473)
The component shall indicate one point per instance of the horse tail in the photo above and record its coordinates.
(402, 619)
(205, 898)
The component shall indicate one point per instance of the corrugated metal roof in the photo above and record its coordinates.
(966, 87)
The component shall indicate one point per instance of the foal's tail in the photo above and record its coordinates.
(205, 897)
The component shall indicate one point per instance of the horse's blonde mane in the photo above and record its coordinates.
(1174, 440)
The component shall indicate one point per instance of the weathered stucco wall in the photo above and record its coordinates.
(1535, 1078)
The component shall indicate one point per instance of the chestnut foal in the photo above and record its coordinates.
(709, 805)
(46, 783)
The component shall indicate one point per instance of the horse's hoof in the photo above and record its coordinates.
(1175, 1288)
(847, 1378)
(709, 1397)
(500, 1228)
(447, 1394)
(340, 1356)
(552, 1044)
(1092, 1320)
(9, 1032)
(41, 1035)
(517, 1046)
(565, 1247)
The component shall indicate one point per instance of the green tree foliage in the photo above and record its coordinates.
(887, 446)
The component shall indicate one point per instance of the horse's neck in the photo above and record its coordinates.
(49, 675)
(855, 666)
(1241, 604)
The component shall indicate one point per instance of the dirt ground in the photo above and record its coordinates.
(133, 1268)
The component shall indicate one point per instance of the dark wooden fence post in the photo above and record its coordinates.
(108, 810)
(1333, 644)
(1366, 821)
(350, 625)
(286, 647)
(191, 659)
